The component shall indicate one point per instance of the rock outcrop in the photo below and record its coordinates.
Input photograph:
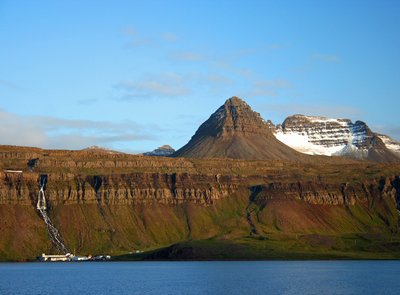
(64, 189)
(236, 131)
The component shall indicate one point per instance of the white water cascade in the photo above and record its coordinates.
(42, 207)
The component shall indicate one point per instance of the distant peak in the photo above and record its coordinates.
(163, 151)
(166, 147)
(96, 147)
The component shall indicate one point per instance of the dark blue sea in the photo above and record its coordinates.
(252, 277)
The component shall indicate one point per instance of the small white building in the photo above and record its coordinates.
(55, 257)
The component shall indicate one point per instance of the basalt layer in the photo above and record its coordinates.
(103, 202)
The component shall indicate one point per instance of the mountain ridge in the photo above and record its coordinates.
(316, 135)
(234, 130)
(162, 151)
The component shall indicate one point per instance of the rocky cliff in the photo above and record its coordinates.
(336, 137)
(178, 188)
(122, 189)
(116, 213)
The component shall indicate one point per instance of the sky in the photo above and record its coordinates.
(134, 75)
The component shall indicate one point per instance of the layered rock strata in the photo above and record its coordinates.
(336, 137)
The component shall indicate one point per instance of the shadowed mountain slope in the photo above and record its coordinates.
(236, 131)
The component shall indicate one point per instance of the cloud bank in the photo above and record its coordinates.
(58, 133)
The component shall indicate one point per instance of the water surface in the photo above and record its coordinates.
(231, 277)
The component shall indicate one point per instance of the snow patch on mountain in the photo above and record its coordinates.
(390, 143)
(332, 137)
(162, 151)
(305, 144)
(352, 150)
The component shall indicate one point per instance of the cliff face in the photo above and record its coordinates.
(179, 188)
(118, 213)
(23, 188)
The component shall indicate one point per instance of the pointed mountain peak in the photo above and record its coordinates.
(234, 130)
(234, 116)
(235, 101)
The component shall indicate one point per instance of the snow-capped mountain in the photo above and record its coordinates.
(390, 143)
(162, 151)
(336, 137)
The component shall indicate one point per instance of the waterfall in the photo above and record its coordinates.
(42, 208)
(41, 204)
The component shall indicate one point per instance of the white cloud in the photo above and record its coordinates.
(219, 79)
(52, 132)
(135, 39)
(137, 42)
(129, 31)
(271, 88)
(19, 130)
(10, 85)
(165, 85)
(330, 111)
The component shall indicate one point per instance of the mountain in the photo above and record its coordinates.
(99, 149)
(236, 131)
(390, 143)
(336, 137)
(162, 151)
(103, 203)
(94, 201)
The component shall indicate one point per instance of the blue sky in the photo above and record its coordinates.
(133, 75)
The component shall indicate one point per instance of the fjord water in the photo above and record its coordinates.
(217, 277)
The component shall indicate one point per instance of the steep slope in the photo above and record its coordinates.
(334, 137)
(236, 131)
